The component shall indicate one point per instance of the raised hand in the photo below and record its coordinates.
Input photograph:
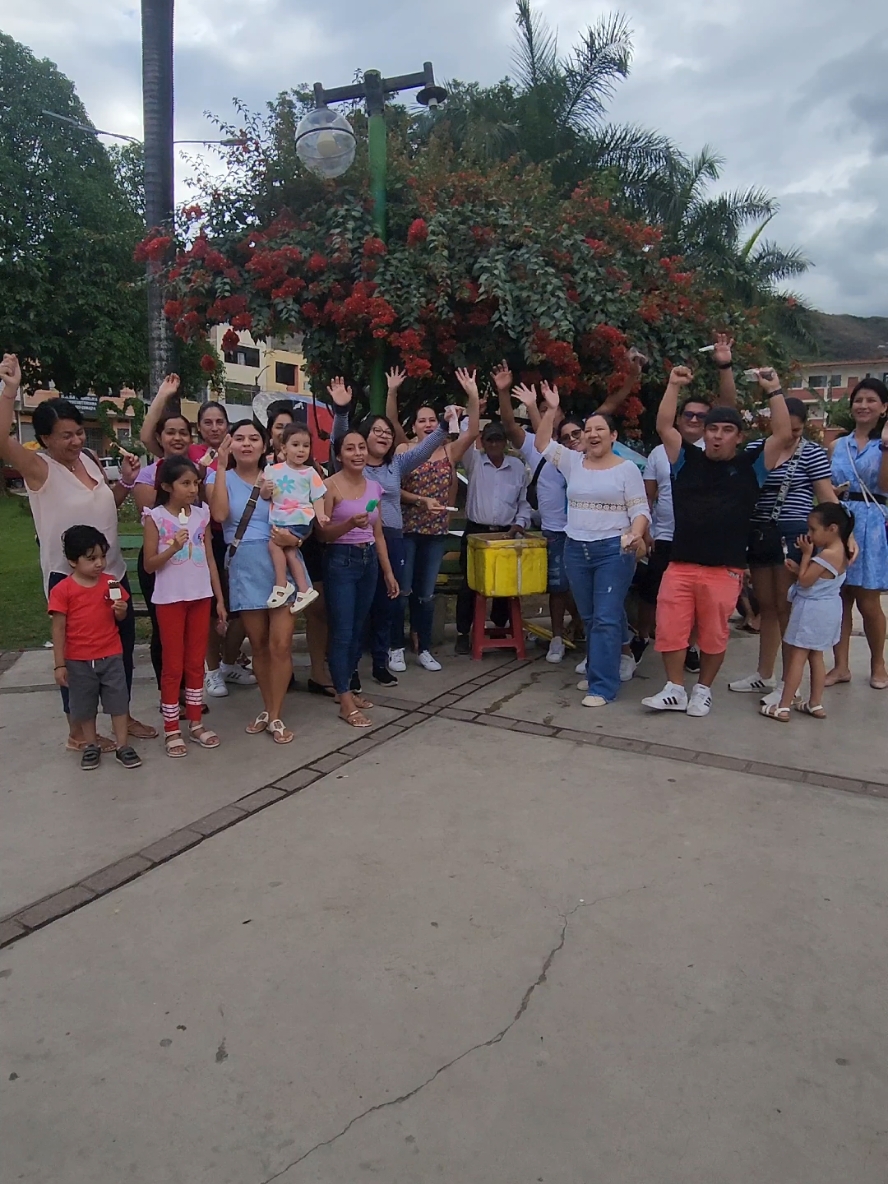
(637, 362)
(129, 467)
(550, 393)
(721, 354)
(768, 380)
(502, 376)
(395, 379)
(169, 386)
(223, 454)
(466, 379)
(526, 395)
(452, 413)
(339, 392)
(11, 372)
(681, 376)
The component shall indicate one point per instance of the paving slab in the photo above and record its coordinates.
(60, 824)
(850, 743)
(478, 956)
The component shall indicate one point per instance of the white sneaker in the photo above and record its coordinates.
(700, 701)
(594, 701)
(752, 683)
(581, 667)
(773, 699)
(556, 650)
(582, 685)
(673, 697)
(237, 674)
(627, 667)
(427, 661)
(214, 684)
(396, 661)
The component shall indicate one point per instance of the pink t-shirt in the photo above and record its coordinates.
(186, 576)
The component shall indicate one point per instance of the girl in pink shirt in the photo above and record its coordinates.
(177, 551)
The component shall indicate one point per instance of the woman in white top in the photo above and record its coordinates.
(66, 487)
(607, 516)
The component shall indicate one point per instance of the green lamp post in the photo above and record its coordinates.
(325, 143)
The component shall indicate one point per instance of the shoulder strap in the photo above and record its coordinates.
(244, 519)
(825, 563)
(536, 474)
(787, 480)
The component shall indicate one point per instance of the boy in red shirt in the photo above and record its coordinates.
(87, 651)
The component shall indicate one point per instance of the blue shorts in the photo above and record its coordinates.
(556, 575)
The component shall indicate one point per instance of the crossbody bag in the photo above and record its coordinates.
(533, 496)
(869, 497)
(765, 539)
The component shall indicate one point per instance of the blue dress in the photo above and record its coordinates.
(870, 569)
(815, 622)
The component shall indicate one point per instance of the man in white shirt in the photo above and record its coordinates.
(496, 501)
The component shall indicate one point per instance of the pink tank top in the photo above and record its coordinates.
(358, 505)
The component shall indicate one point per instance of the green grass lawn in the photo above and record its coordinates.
(23, 618)
(24, 621)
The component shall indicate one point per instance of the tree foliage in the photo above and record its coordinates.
(72, 304)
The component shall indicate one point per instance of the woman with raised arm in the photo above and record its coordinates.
(355, 558)
(607, 517)
(66, 487)
(388, 469)
(425, 495)
(235, 501)
(860, 476)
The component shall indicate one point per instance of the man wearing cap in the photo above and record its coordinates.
(496, 501)
(715, 491)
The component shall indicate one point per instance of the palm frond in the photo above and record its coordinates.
(771, 263)
(593, 69)
(535, 55)
(747, 247)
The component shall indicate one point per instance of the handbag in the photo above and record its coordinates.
(243, 524)
(533, 496)
(765, 547)
(869, 498)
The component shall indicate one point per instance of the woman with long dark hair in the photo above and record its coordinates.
(66, 487)
(860, 475)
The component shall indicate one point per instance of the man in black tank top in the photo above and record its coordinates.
(715, 491)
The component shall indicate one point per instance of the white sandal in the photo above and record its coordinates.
(280, 595)
(259, 724)
(279, 733)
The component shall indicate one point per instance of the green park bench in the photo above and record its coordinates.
(130, 545)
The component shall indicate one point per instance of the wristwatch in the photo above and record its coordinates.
(723, 365)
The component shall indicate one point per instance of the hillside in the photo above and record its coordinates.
(842, 337)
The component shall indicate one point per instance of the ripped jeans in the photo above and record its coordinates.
(599, 574)
(423, 555)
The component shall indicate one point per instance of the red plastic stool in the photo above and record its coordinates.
(512, 637)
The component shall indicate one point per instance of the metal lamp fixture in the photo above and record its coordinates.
(325, 143)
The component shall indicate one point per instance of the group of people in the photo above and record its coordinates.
(243, 530)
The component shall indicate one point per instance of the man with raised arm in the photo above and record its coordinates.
(715, 490)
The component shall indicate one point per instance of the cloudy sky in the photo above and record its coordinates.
(792, 93)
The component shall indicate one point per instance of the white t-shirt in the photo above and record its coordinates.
(659, 469)
(551, 487)
(601, 503)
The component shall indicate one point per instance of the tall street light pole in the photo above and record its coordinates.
(325, 143)
(157, 109)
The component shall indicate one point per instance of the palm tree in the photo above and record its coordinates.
(157, 107)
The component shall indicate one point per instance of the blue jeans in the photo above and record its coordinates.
(600, 575)
(423, 556)
(349, 586)
(386, 615)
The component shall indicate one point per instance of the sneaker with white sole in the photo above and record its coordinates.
(556, 650)
(303, 600)
(700, 701)
(752, 683)
(627, 667)
(396, 661)
(581, 667)
(594, 701)
(773, 698)
(214, 684)
(673, 697)
(237, 674)
(427, 661)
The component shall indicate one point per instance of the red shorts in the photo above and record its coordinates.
(690, 595)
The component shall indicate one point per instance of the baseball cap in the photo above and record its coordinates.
(724, 415)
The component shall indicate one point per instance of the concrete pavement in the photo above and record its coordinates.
(464, 951)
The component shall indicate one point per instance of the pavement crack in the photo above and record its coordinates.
(499, 703)
(522, 1008)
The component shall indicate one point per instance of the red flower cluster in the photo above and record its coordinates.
(230, 341)
(374, 247)
(153, 248)
(208, 363)
(418, 232)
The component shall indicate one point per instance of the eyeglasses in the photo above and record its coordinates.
(574, 435)
(692, 415)
(383, 433)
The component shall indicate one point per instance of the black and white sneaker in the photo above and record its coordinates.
(385, 678)
(672, 698)
(128, 757)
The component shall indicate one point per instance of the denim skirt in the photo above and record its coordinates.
(250, 577)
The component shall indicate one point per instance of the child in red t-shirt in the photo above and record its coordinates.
(87, 651)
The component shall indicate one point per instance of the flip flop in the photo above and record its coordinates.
(259, 724)
(360, 722)
(279, 733)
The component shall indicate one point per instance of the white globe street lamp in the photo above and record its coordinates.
(325, 142)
